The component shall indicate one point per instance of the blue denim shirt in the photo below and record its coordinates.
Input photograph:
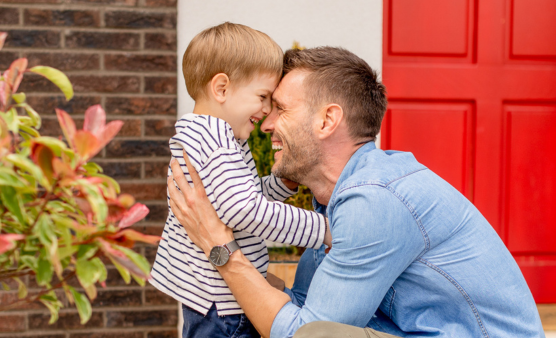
(411, 256)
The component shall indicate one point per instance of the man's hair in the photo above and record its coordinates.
(339, 76)
(236, 50)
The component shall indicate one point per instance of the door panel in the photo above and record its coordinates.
(472, 90)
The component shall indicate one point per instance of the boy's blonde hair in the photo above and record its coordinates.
(233, 49)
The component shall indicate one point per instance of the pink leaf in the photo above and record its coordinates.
(3, 94)
(134, 215)
(67, 125)
(120, 258)
(3, 36)
(86, 144)
(14, 74)
(95, 119)
(110, 130)
(7, 242)
(132, 235)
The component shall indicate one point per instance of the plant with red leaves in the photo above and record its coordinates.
(58, 213)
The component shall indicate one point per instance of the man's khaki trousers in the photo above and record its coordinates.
(336, 330)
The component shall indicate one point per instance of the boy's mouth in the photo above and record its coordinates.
(254, 120)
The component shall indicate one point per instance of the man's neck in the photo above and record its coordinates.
(323, 179)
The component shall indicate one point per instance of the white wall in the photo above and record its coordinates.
(353, 24)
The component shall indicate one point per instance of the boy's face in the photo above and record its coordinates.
(248, 103)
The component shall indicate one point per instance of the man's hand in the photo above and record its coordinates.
(193, 209)
(276, 282)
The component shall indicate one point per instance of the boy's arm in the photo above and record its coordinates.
(231, 188)
(275, 189)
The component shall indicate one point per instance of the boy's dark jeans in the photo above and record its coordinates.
(195, 325)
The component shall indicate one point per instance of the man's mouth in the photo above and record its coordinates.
(276, 146)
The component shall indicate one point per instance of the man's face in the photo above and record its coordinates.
(291, 125)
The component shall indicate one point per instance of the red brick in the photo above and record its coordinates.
(33, 38)
(140, 63)
(118, 170)
(135, 148)
(161, 85)
(45, 105)
(93, 40)
(156, 169)
(105, 84)
(161, 3)
(9, 16)
(64, 61)
(141, 105)
(142, 318)
(152, 230)
(157, 213)
(145, 191)
(107, 2)
(108, 335)
(155, 297)
(118, 298)
(6, 59)
(160, 41)
(140, 19)
(150, 251)
(45, 17)
(162, 334)
(37, 83)
(31, 1)
(163, 127)
(66, 321)
(12, 323)
(130, 128)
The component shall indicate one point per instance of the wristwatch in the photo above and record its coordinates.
(219, 255)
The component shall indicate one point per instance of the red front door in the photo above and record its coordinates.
(472, 90)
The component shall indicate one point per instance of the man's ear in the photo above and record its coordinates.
(331, 116)
(219, 86)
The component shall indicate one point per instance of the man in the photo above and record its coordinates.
(410, 255)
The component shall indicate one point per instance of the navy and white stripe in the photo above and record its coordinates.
(251, 206)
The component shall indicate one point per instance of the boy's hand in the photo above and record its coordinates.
(290, 184)
(275, 282)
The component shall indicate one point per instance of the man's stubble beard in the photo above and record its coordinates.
(300, 155)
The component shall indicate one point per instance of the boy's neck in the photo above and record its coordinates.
(208, 107)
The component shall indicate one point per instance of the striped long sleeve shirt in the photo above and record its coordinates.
(251, 206)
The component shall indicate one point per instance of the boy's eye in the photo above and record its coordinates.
(263, 97)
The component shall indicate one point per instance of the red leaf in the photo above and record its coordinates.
(95, 119)
(7, 242)
(132, 235)
(67, 125)
(134, 215)
(62, 169)
(120, 258)
(110, 130)
(14, 74)
(3, 36)
(86, 144)
(43, 156)
(4, 89)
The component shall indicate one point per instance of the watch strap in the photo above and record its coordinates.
(231, 247)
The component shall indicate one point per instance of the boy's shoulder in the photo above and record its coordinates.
(205, 134)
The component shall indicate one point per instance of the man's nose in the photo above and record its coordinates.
(268, 123)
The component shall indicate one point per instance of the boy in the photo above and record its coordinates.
(230, 71)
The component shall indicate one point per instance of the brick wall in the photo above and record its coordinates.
(121, 54)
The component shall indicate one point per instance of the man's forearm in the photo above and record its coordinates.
(260, 301)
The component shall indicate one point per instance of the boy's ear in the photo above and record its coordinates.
(219, 86)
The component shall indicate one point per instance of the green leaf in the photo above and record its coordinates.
(57, 77)
(30, 261)
(28, 130)
(21, 289)
(19, 97)
(7, 177)
(5, 286)
(123, 271)
(92, 168)
(86, 251)
(140, 261)
(35, 117)
(100, 267)
(27, 165)
(139, 280)
(95, 199)
(56, 145)
(83, 306)
(87, 272)
(44, 272)
(53, 304)
(9, 198)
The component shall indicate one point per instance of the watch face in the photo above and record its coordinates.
(219, 256)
